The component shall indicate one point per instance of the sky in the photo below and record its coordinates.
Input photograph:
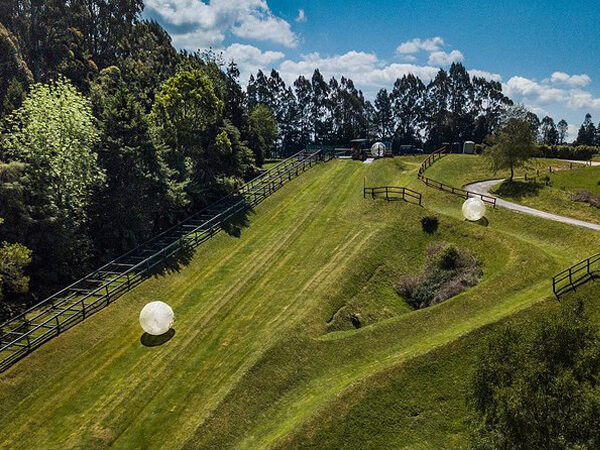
(545, 53)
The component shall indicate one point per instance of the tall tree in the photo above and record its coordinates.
(53, 134)
(184, 117)
(408, 101)
(319, 109)
(303, 90)
(262, 131)
(587, 132)
(133, 169)
(384, 115)
(548, 132)
(461, 97)
(439, 119)
(512, 146)
(562, 128)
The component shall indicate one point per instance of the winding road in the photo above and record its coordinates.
(483, 187)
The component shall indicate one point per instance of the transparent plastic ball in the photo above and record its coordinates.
(156, 318)
(473, 209)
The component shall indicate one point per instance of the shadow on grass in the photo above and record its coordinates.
(519, 189)
(149, 340)
(234, 225)
(484, 222)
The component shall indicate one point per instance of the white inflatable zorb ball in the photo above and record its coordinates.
(473, 209)
(156, 318)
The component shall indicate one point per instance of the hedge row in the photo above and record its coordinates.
(579, 152)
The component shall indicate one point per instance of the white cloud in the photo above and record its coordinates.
(536, 95)
(484, 74)
(409, 58)
(570, 80)
(365, 69)
(572, 132)
(198, 39)
(530, 89)
(250, 59)
(441, 58)
(301, 16)
(416, 45)
(250, 19)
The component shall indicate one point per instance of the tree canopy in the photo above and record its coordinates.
(539, 388)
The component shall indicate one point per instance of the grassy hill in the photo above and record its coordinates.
(557, 197)
(265, 354)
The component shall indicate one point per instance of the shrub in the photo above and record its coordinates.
(447, 258)
(430, 224)
(448, 271)
(579, 152)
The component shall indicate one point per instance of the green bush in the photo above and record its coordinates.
(579, 152)
(430, 224)
(448, 271)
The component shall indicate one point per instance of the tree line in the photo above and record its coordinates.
(109, 134)
(453, 107)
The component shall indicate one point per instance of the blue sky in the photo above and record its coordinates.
(546, 53)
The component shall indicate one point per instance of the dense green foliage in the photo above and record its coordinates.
(14, 258)
(539, 389)
(579, 152)
(52, 136)
(511, 146)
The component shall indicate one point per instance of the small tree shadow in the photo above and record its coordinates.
(149, 340)
(175, 263)
(233, 226)
(519, 189)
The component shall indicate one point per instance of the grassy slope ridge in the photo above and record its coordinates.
(558, 197)
(263, 354)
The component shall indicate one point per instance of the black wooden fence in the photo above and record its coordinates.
(391, 193)
(576, 275)
(428, 162)
(29, 330)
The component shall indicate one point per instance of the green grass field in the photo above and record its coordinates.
(265, 355)
(557, 197)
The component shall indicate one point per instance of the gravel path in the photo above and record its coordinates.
(483, 187)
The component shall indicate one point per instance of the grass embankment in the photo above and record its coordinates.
(264, 353)
(557, 197)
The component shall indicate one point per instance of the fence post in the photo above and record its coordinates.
(571, 276)
(588, 266)
(387, 196)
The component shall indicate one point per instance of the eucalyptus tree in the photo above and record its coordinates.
(384, 115)
(563, 128)
(548, 132)
(408, 103)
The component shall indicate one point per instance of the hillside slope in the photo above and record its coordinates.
(264, 345)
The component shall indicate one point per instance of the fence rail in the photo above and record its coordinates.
(576, 275)
(29, 330)
(391, 193)
(428, 162)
